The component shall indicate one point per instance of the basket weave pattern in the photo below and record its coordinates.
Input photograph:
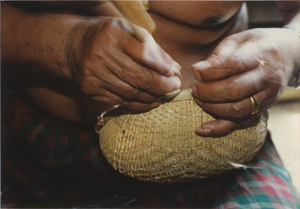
(161, 146)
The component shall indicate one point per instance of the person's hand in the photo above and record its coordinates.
(114, 68)
(257, 63)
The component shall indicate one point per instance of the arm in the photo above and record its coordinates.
(291, 16)
(99, 54)
(35, 40)
(257, 63)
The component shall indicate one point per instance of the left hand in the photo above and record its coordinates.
(257, 63)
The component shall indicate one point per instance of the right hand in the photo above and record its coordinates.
(114, 68)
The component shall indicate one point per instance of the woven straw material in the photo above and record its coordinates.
(160, 145)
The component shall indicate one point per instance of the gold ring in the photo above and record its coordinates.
(254, 106)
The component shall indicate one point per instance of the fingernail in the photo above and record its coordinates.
(203, 131)
(200, 65)
(155, 104)
(176, 68)
(177, 82)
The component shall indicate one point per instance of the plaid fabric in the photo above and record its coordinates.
(50, 163)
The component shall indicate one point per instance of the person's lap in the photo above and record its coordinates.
(46, 162)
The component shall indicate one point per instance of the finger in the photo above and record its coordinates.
(149, 54)
(130, 94)
(112, 99)
(110, 83)
(229, 58)
(233, 89)
(264, 100)
(228, 110)
(140, 106)
(140, 77)
(216, 128)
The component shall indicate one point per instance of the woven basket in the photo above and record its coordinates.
(160, 145)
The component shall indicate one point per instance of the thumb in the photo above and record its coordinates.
(229, 58)
(216, 128)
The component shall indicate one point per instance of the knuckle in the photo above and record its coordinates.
(120, 101)
(95, 53)
(108, 31)
(236, 110)
(115, 31)
(226, 54)
(107, 98)
(90, 86)
(109, 25)
(133, 94)
(227, 60)
(272, 49)
(231, 39)
(103, 98)
(220, 58)
(143, 79)
(126, 104)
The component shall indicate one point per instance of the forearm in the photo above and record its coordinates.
(35, 42)
(289, 11)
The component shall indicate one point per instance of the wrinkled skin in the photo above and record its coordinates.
(112, 67)
(121, 70)
(256, 63)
